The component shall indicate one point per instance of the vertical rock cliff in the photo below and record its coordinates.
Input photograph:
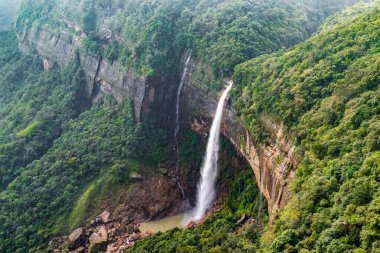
(102, 76)
(273, 164)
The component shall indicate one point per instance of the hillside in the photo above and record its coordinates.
(149, 36)
(88, 95)
(326, 91)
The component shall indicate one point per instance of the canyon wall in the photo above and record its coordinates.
(102, 77)
(273, 164)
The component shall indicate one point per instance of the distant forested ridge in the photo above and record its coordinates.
(153, 34)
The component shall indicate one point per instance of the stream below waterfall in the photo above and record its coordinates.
(164, 224)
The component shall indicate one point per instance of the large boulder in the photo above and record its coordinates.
(98, 240)
(77, 238)
(104, 216)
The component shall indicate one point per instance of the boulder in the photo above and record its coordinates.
(104, 216)
(98, 240)
(78, 250)
(77, 238)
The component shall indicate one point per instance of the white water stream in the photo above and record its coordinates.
(184, 73)
(179, 92)
(209, 171)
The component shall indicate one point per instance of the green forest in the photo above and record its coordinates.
(219, 34)
(311, 65)
(326, 91)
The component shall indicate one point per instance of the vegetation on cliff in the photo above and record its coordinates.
(326, 91)
(221, 232)
(48, 158)
(34, 106)
(102, 143)
(58, 150)
(151, 35)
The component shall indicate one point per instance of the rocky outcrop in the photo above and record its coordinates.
(102, 77)
(151, 196)
(273, 164)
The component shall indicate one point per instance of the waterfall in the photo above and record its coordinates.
(184, 73)
(176, 130)
(206, 191)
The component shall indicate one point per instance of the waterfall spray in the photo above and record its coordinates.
(206, 191)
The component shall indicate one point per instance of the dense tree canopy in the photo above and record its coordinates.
(220, 34)
(49, 156)
(326, 91)
(56, 146)
(34, 106)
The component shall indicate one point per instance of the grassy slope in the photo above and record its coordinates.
(326, 91)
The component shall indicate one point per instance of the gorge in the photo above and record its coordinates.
(110, 114)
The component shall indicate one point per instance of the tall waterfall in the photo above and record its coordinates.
(206, 186)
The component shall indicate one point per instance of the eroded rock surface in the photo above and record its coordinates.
(273, 165)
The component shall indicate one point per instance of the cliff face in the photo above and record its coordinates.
(102, 77)
(273, 165)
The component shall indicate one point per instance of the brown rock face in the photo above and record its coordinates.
(102, 77)
(273, 165)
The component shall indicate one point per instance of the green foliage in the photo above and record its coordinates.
(29, 130)
(92, 156)
(34, 106)
(220, 34)
(245, 198)
(188, 144)
(112, 51)
(326, 91)
(89, 204)
(89, 18)
(48, 159)
(91, 45)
